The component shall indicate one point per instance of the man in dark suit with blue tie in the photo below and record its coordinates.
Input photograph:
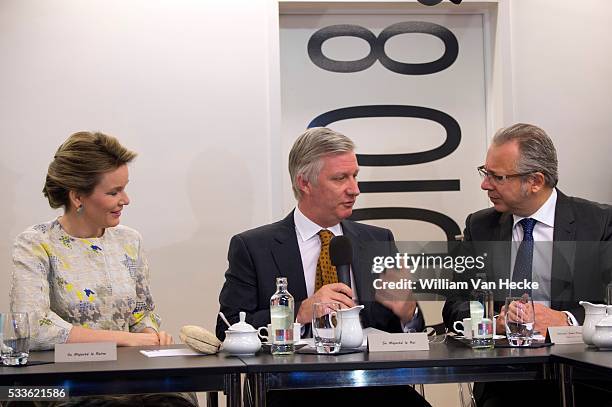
(323, 169)
(520, 176)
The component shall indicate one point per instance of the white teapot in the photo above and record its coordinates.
(352, 332)
(241, 338)
(593, 313)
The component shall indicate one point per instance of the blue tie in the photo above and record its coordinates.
(524, 255)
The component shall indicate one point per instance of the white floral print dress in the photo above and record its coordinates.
(63, 281)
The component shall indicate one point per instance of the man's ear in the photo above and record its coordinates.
(538, 182)
(303, 185)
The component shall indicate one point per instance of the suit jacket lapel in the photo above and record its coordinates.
(349, 230)
(564, 252)
(286, 254)
(352, 234)
(504, 234)
(565, 226)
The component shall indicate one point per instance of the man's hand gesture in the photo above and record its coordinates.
(336, 292)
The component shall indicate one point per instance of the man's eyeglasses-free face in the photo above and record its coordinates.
(495, 178)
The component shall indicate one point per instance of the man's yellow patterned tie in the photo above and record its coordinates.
(326, 273)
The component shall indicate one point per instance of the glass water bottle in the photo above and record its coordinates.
(281, 315)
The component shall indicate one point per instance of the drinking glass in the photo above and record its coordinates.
(519, 320)
(15, 340)
(327, 326)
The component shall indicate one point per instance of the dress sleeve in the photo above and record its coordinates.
(30, 291)
(143, 315)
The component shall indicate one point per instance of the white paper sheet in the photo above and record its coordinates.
(170, 352)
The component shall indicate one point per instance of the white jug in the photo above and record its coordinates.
(603, 332)
(352, 333)
(593, 313)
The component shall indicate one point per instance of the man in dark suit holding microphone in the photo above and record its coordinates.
(323, 169)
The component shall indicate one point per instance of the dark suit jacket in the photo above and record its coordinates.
(256, 257)
(580, 270)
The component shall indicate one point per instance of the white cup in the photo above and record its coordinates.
(297, 332)
(495, 325)
(466, 330)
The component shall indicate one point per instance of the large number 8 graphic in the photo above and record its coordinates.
(377, 48)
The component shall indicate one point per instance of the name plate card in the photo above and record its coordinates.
(565, 335)
(85, 352)
(397, 342)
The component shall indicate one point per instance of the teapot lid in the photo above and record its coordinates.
(242, 326)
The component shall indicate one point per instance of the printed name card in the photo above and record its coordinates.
(397, 342)
(85, 352)
(565, 335)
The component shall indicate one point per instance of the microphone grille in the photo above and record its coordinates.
(340, 251)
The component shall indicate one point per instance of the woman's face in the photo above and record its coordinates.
(102, 209)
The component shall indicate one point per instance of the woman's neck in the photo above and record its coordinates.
(77, 226)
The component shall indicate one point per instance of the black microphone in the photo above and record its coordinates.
(341, 255)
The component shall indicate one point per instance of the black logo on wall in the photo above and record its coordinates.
(453, 130)
(377, 48)
(434, 2)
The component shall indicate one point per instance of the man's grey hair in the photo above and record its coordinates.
(305, 157)
(537, 151)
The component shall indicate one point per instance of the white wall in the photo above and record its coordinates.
(185, 84)
(562, 64)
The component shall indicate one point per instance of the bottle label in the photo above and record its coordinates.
(484, 329)
(283, 336)
(282, 324)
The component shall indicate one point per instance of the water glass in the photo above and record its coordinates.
(327, 326)
(519, 320)
(15, 338)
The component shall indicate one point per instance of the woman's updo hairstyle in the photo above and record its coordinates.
(80, 162)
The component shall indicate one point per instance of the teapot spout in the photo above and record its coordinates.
(351, 312)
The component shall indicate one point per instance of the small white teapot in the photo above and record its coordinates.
(241, 338)
(352, 332)
(603, 332)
